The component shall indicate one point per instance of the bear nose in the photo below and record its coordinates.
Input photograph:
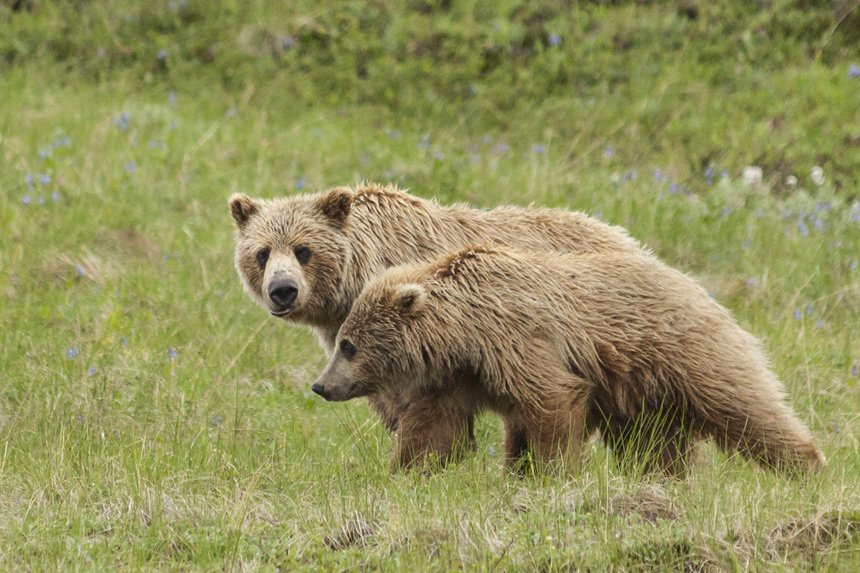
(319, 389)
(283, 293)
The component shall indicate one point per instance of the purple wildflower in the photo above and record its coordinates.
(171, 352)
(301, 183)
(92, 370)
(72, 352)
(124, 341)
(130, 167)
(855, 370)
(161, 55)
(609, 151)
(28, 179)
(122, 121)
(45, 179)
(25, 199)
(854, 71)
(554, 40)
(55, 196)
(500, 148)
(750, 281)
(797, 314)
(287, 43)
(487, 139)
(538, 148)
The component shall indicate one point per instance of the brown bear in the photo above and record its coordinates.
(306, 258)
(560, 346)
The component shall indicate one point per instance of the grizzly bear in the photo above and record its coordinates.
(306, 258)
(560, 346)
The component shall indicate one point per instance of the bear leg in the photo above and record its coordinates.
(435, 427)
(779, 441)
(557, 430)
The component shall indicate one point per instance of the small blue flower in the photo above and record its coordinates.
(122, 121)
(153, 144)
(709, 173)
(92, 370)
(25, 199)
(757, 214)
(473, 91)
(171, 352)
(45, 152)
(301, 183)
(787, 232)
(609, 151)
(72, 352)
(45, 179)
(855, 370)
(854, 71)
(124, 341)
(673, 188)
(808, 309)
(852, 266)
(802, 228)
(797, 314)
(554, 40)
(750, 281)
(819, 323)
(172, 98)
(41, 200)
(492, 450)
(393, 134)
(726, 211)
(538, 148)
(230, 113)
(55, 196)
(287, 43)
(161, 55)
(487, 139)
(173, 125)
(476, 158)
(438, 155)
(28, 179)
(130, 167)
(500, 148)
(424, 143)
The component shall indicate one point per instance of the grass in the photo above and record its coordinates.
(152, 417)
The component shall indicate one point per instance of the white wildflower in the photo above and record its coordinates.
(818, 175)
(791, 180)
(752, 175)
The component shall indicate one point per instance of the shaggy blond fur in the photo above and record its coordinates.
(330, 244)
(561, 345)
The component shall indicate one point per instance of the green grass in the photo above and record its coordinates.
(180, 433)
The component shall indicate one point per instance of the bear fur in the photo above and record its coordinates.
(561, 346)
(306, 258)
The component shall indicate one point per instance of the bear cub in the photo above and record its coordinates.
(562, 346)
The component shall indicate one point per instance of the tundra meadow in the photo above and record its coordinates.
(153, 417)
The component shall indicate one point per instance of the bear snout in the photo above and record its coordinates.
(283, 293)
(320, 389)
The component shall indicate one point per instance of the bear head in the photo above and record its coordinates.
(378, 345)
(291, 253)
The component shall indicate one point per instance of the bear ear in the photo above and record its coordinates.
(336, 204)
(242, 208)
(410, 298)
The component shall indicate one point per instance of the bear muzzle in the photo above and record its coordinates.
(282, 293)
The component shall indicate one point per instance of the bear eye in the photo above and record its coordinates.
(303, 255)
(347, 349)
(262, 257)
